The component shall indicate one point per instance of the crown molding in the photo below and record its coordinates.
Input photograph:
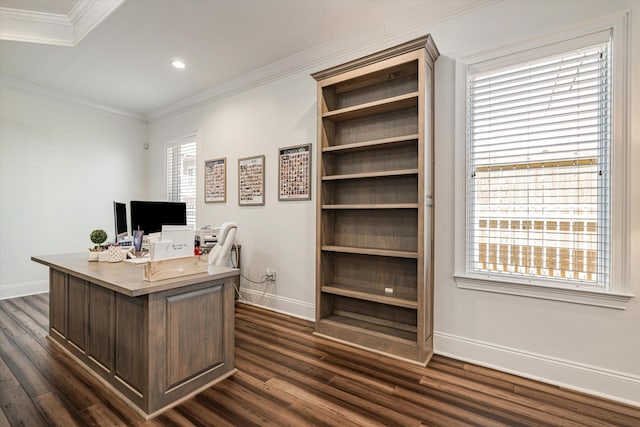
(51, 93)
(53, 28)
(86, 15)
(35, 27)
(322, 56)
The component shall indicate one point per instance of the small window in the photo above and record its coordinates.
(181, 177)
(538, 167)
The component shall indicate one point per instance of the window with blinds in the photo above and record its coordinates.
(538, 156)
(181, 175)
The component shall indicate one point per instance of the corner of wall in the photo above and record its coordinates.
(605, 383)
(23, 289)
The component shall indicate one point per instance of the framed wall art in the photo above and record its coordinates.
(294, 173)
(251, 181)
(215, 180)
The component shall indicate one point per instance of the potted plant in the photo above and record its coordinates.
(98, 237)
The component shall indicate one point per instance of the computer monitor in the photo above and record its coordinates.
(151, 216)
(120, 219)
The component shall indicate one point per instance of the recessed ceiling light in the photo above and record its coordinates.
(178, 64)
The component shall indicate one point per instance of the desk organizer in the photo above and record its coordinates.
(175, 267)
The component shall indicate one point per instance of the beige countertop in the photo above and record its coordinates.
(124, 277)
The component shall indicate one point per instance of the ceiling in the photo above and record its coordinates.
(121, 60)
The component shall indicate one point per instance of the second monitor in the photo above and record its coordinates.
(120, 219)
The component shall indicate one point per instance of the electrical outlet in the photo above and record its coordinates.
(271, 274)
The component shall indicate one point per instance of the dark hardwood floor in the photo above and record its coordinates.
(286, 376)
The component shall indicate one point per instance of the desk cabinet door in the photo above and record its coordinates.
(77, 312)
(195, 334)
(58, 302)
(130, 354)
(101, 326)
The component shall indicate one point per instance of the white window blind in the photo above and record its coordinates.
(181, 175)
(538, 157)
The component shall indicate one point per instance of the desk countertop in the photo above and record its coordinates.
(124, 277)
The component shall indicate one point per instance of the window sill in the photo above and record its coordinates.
(583, 296)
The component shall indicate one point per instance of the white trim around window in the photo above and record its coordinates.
(190, 196)
(617, 294)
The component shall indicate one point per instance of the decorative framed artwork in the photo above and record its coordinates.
(251, 181)
(294, 173)
(215, 180)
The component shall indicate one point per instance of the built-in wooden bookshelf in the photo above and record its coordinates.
(374, 230)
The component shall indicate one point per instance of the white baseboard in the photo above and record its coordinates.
(606, 383)
(284, 305)
(23, 289)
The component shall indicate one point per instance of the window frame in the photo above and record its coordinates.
(183, 139)
(617, 294)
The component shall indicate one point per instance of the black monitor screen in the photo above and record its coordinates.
(120, 217)
(151, 216)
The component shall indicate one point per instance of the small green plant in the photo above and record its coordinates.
(98, 237)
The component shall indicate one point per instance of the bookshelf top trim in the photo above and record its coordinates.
(421, 42)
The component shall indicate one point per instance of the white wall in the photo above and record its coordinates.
(582, 347)
(279, 235)
(61, 167)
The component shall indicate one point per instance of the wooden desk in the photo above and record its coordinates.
(154, 344)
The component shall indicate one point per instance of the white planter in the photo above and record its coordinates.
(116, 254)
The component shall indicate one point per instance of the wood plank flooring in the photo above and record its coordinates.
(287, 377)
